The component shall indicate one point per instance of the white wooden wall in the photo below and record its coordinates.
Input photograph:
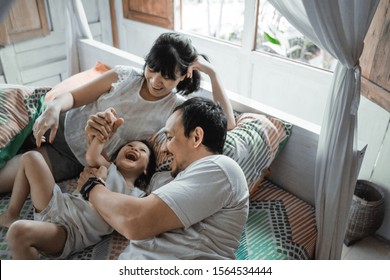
(42, 61)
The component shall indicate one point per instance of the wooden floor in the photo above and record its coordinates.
(370, 248)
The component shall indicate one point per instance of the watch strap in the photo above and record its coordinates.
(89, 185)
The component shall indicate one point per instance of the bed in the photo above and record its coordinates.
(281, 222)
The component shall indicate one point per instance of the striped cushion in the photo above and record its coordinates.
(163, 159)
(253, 144)
(19, 107)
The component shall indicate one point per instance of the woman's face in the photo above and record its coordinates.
(159, 86)
(133, 156)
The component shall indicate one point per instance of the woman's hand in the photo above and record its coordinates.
(49, 119)
(219, 94)
(102, 125)
(202, 65)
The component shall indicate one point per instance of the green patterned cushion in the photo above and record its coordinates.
(280, 226)
(20, 106)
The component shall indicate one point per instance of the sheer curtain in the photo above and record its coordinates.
(339, 27)
(77, 28)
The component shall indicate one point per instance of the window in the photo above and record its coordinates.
(219, 19)
(224, 19)
(276, 35)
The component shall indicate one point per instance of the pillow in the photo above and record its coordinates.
(163, 159)
(253, 144)
(20, 106)
(77, 80)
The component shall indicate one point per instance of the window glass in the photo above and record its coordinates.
(221, 19)
(277, 36)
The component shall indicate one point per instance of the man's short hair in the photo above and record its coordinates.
(205, 113)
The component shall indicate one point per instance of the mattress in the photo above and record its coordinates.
(280, 227)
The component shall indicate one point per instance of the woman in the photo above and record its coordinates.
(144, 100)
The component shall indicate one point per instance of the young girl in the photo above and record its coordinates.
(65, 223)
(145, 99)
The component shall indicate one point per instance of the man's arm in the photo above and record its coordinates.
(134, 218)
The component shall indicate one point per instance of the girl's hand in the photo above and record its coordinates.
(102, 125)
(49, 119)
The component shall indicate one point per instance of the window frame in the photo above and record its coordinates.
(371, 86)
(375, 59)
(14, 36)
(245, 73)
(144, 11)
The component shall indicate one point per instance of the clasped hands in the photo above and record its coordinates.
(102, 125)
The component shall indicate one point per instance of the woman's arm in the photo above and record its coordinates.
(83, 95)
(92, 90)
(219, 94)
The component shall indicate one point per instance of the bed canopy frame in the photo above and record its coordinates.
(318, 165)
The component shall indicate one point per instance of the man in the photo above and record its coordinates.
(198, 215)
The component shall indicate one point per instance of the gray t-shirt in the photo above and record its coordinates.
(210, 197)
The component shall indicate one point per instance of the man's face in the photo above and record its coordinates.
(177, 144)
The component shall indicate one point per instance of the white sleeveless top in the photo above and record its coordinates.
(142, 118)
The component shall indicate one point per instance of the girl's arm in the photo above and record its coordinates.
(94, 155)
(219, 94)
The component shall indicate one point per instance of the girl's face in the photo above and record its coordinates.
(158, 86)
(133, 156)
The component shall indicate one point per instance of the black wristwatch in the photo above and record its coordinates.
(89, 185)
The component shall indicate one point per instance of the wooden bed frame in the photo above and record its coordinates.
(293, 169)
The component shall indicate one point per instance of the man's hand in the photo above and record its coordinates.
(89, 172)
(102, 125)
